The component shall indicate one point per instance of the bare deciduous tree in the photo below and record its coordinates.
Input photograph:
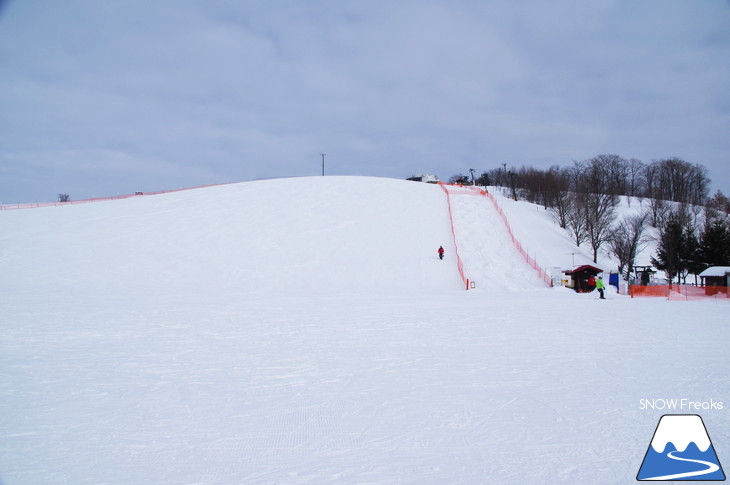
(718, 206)
(576, 218)
(598, 203)
(626, 240)
(635, 180)
(659, 212)
(600, 215)
(676, 180)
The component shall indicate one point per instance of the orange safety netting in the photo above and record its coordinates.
(541, 273)
(471, 190)
(459, 263)
(681, 292)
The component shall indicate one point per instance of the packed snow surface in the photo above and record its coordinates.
(305, 331)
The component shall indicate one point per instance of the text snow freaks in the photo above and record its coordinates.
(680, 405)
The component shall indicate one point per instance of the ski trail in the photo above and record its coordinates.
(490, 258)
(712, 468)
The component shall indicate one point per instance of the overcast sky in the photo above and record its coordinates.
(103, 98)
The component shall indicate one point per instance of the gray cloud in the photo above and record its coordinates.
(126, 96)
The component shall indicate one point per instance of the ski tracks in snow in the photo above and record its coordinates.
(489, 256)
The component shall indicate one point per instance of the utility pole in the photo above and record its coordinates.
(511, 175)
(323, 154)
(573, 255)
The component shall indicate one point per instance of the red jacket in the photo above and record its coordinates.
(441, 250)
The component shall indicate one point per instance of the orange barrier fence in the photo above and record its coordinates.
(471, 190)
(649, 291)
(459, 263)
(33, 205)
(680, 292)
(541, 273)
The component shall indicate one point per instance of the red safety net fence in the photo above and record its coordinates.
(471, 190)
(33, 205)
(541, 273)
(680, 292)
(459, 262)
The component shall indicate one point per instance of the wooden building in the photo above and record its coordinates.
(716, 279)
(579, 277)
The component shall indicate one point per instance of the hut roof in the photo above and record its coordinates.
(715, 271)
(584, 268)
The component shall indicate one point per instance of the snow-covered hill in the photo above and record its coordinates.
(304, 331)
(301, 235)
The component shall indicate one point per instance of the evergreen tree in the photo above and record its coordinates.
(460, 179)
(714, 245)
(670, 248)
(690, 256)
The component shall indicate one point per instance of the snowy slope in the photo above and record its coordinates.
(303, 331)
(304, 235)
(541, 237)
(553, 247)
(491, 260)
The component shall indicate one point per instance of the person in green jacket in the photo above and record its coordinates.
(600, 287)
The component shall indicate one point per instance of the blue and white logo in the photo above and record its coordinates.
(681, 450)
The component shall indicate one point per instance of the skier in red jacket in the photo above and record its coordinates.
(441, 252)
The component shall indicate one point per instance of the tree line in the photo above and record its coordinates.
(693, 228)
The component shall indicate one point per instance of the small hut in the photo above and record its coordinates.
(642, 275)
(715, 279)
(579, 277)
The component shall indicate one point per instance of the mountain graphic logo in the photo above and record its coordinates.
(681, 450)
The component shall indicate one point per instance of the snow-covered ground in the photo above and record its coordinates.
(304, 331)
